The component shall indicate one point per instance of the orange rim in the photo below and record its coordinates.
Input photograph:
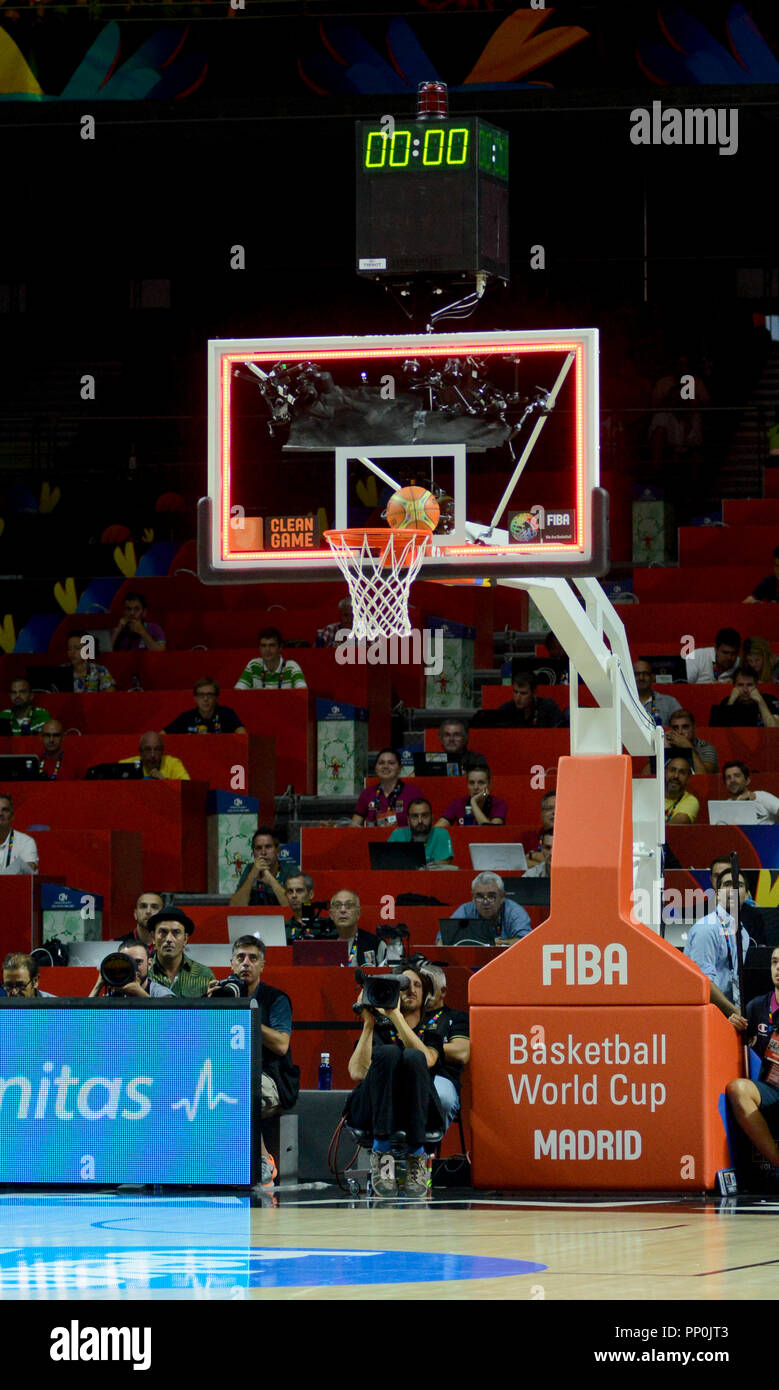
(379, 537)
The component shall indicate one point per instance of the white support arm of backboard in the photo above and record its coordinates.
(619, 721)
(528, 449)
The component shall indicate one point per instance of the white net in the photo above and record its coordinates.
(379, 581)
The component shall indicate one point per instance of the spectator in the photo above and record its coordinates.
(717, 663)
(21, 974)
(133, 632)
(453, 1026)
(756, 656)
(711, 941)
(681, 735)
(750, 1099)
(208, 716)
(299, 889)
(388, 803)
(738, 781)
(155, 762)
(524, 711)
(280, 1077)
(453, 735)
(532, 842)
(186, 978)
(767, 590)
(659, 707)
(479, 807)
(345, 915)
(87, 675)
(746, 707)
(681, 808)
(57, 764)
(395, 1060)
(270, 670)
(23, 716)
(437, 842)
(263, 882)
(544, 869)
(510, 921)
(142, 987)
(146, 907)
(334, 633)
(13, 844)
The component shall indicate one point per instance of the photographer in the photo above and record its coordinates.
(139, 988)
(394, 1060)
(280, 1077)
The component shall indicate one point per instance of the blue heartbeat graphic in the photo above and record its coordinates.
(204, 1083)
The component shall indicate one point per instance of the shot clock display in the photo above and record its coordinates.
(432, 197)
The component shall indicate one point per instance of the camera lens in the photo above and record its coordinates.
(117, 970)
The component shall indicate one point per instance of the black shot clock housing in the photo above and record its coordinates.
(432, 198)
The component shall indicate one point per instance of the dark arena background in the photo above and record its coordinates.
(191, 195)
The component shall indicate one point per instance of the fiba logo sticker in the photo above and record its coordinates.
(542, 524)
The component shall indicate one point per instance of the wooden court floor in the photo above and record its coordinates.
(316, 1244)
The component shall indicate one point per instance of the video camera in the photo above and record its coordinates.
(380, 991)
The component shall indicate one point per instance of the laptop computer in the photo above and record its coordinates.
(431, 765)
(676, 933)
(498, 855)
(406, 854)
(90, 952)
(465, 931)
(56, 679)
(114, 772)
(528, 890)
(733, 813)
(271, 929)
(320, 953)
(736, 716)
(668, 669)
(19, 767)
(207, 953)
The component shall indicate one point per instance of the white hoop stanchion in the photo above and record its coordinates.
(379, 565)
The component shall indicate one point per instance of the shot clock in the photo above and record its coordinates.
(432, 198)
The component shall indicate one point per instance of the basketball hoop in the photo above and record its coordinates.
(379, 565)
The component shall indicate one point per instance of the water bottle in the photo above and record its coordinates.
(325, 1082)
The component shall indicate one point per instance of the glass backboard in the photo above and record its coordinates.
(490, 438)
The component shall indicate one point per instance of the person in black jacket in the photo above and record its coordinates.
(525, 710)
(280, 1077)
(750, 1100)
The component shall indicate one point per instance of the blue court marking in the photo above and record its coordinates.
(38, 1269)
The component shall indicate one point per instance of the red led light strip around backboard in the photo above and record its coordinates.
(463, 552)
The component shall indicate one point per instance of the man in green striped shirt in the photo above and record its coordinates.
(270, 670)
(186, 978)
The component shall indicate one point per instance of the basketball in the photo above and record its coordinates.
(412, 508)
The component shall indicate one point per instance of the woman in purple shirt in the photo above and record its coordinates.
(479, 807)
(388, 803)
